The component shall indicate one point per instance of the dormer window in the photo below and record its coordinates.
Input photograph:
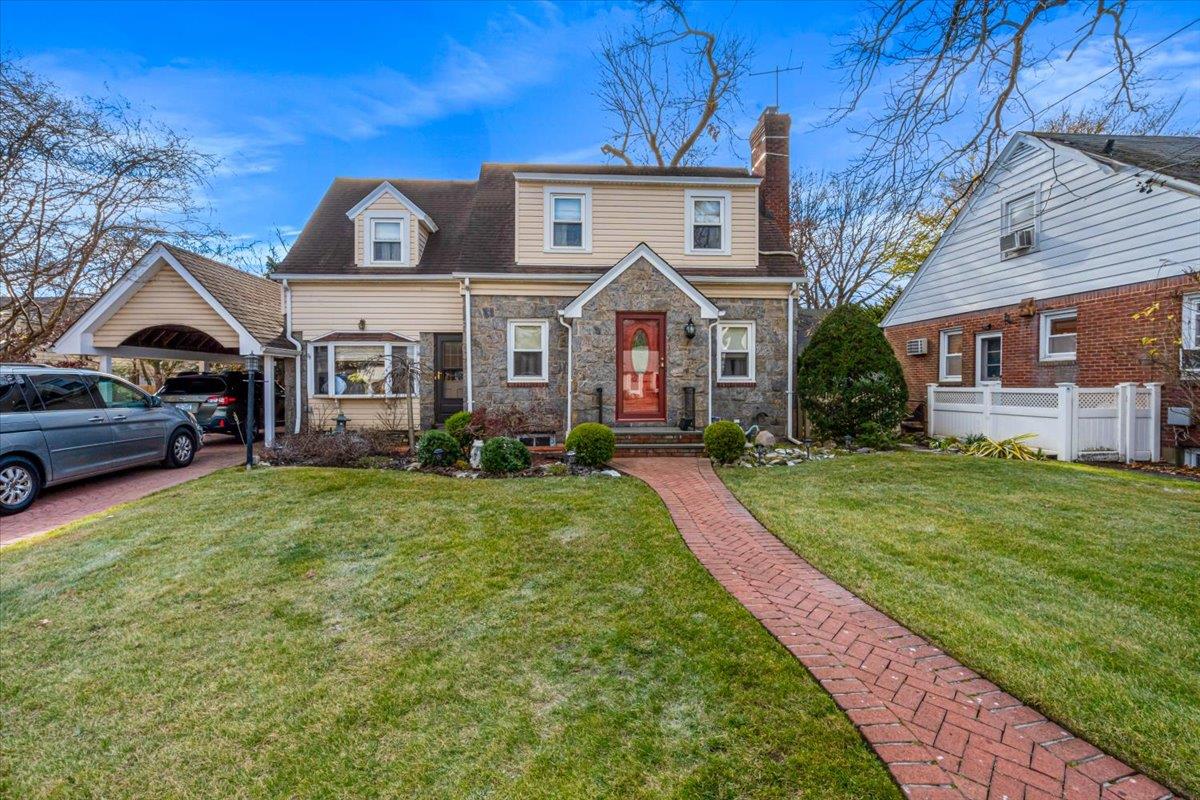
(568, 220)
(707, 215)
(387, 239)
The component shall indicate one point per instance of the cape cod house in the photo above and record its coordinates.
(641, 297)
(1044, 280)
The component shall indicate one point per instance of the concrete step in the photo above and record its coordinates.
(676, 449)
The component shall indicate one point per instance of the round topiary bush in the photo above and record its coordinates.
(725, 441)
(503, 455)
(432, 441)
(848, 376)
(459, 426)
(593, 443)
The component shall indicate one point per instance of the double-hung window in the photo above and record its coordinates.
(528, 351)
(386, 237)
(1020, 212)
(707, 218)
(1189, 355)
(950, 354)
(735, 352)
(1059, 334)
(359, 370)
(568, 219)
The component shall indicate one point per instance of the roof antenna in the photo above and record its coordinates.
(1108, 147)
(776, 72)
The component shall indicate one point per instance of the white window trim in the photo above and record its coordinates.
(943, 376)
(979, 337)
(331, 358)
(1189, 339)
(690, 196)
(1037, 218)
(508, 346)
(548, 195)
(752, 342)
(1047, 317)
(369, 219)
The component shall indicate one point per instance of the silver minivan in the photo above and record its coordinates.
(58, 425)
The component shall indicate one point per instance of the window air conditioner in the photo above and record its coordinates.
(917, 347)
(1020, 239)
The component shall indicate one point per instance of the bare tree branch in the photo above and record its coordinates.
(668, 84)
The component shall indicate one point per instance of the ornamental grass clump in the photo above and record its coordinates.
(848, 376)
(502, 455)
(725, 441)
(593, 444)
(437, 449)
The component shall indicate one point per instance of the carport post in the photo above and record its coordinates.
(268, 400)
(106, 364)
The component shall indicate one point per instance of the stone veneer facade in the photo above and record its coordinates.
(594, 341)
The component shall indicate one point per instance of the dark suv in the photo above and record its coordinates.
(218, 399)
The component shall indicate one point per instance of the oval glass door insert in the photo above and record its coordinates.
(639, 351)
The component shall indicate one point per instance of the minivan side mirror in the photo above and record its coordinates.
(155, 401)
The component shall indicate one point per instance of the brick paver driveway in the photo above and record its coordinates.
(944, 732)
(69, 502)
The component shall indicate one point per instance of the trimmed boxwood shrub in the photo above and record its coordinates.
(593, 443)
(848, 376)
(502, 454)
(725, 441)
(433, 440)
(458, 425)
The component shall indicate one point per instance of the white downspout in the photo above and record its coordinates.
(791, 370)
(570, 366)
(711, 368)
(287, 334)
(466, 292)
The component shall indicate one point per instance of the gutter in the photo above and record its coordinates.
(470, 387)
(287, 334)
(570, 365)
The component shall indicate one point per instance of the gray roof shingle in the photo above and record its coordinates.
(1174, 156)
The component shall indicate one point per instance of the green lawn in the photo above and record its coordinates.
(325, 633)
(1075, 588)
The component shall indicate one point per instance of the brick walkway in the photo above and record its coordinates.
(59, 505)
(943, 731)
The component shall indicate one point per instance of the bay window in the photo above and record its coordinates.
(351, 369)
(735, 352)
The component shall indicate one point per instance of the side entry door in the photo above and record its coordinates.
(77, 432)
(138, 423)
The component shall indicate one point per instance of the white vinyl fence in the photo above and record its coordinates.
(1070, 422)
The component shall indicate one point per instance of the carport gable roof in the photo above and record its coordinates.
(249, 304)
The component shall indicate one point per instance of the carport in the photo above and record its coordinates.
(175, 304)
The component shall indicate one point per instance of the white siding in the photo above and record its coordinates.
(1096, 232)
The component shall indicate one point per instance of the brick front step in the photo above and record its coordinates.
(652, 449)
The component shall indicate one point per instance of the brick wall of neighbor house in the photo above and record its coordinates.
(544, 404)
(1108, 347)
(763, 403)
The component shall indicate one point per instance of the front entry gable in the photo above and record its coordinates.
(642, 254)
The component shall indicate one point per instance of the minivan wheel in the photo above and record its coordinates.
(181, 449)
(20, 483)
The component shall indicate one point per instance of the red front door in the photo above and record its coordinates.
(641, 366)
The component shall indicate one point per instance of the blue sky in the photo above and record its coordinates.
(290, 95)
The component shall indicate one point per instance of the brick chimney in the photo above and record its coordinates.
(769, 159)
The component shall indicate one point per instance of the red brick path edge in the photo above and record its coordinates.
(943, 731)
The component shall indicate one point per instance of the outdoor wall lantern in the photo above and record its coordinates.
(689, 329)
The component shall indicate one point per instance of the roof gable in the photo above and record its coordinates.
(708, 310)
(386, 188)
